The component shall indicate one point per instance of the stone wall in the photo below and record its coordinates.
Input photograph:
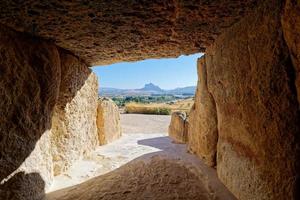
(48, 114)
(291, 29)
(74, 130)
(29, 85)
(203, 131)
(106, 32)
(108, 121)
(290, 20)
(246, 101)
(252, 80)
(178, 128)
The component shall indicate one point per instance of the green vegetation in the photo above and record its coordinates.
(147, 109)
(154, 104)
(121, 101)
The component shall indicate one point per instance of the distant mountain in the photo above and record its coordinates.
(183, 90)
(151, 87)
(148, 89)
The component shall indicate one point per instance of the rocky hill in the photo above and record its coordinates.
(148, 89)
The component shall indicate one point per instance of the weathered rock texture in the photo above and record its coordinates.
(108, 121)
(40, 83)
(29, 85)
(178, 128)
(291, 29)
(74, 130)
(251, 77)
(203, 130)
(34, 176)
(103, 32)
(159, 179)
(40, 160)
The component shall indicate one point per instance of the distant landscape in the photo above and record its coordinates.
(151, 99)
(148, 90)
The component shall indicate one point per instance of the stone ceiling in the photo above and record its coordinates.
(108, 31)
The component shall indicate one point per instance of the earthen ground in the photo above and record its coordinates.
(143, 164)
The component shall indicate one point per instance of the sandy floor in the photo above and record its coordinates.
(135, 128)
(105, 159)
(136, 123)
(143, 164)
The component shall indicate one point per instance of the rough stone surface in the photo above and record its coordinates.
(102, 32)
(108, 121)
(203, 130)
(23, 186)
(40, 160)
(178, 128)
(290, 20)
(249, 75)
(74, 130)
(291, 29)
(29, 85)
(158, 179)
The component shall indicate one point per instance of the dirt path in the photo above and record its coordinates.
(135, 128)
(137, 123)
(140, 166)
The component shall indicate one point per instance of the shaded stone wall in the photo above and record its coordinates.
(48, 113)
(252, 80)
(203, 131)
(105, 32)
(29, 85)
(290, 20)
(74, 131)
(291, 29)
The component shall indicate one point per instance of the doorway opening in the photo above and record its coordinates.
(136, 101)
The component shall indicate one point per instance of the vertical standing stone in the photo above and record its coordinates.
(203, 131)
(178, 128)
(290, 20)
(29, 85)
(74, 131)
(249, 76)
(108, 121)
(291, 29)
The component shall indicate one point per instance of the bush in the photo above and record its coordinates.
(146, 109)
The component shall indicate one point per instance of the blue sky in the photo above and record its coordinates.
(167, 73)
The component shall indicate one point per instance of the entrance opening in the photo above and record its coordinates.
(142, 123)
(136, 101)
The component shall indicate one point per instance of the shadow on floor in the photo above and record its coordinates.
(162, 143)
(163, 175)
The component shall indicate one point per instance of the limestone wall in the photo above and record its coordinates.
(178, 128)
(106, 32)
(29, 85)
(203, 131)
(74, 130)
(290, 20)
(108, 121)
(246, 110)
(291, 28)
(252, 80)
(48, 114)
